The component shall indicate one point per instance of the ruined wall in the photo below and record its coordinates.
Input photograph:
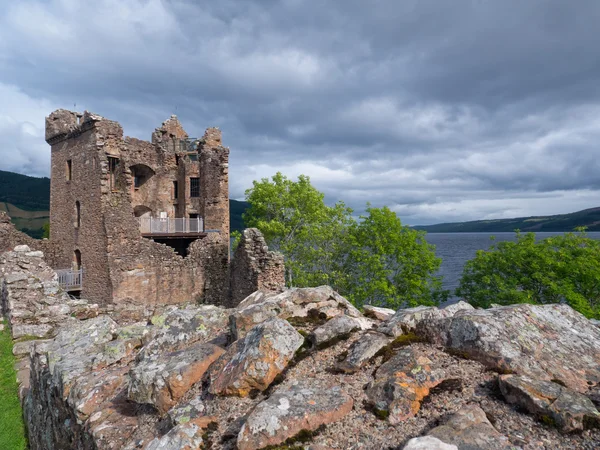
(80, 140)
(254, 267)
(34, 305)
(10, 237)
(214, 182)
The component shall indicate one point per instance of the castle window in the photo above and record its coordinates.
(76, 260)
(194, 187)
(175, 190)
(69, 170)
(113, 166)
(77, 214)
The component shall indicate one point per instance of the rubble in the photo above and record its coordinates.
(181, 380)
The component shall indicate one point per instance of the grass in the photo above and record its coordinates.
(12, 429)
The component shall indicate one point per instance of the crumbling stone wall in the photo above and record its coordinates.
(254, 267)
(34, 305)
(10, 237)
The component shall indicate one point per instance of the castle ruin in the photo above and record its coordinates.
(136, 224)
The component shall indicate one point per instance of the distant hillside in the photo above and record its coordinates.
(236, 209)
(26, 193)
(27, 201)
(589, 218)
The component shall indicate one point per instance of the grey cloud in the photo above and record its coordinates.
(442, 110)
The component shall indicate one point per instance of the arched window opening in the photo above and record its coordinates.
(141, 174)
(76, 260)
(77, 214)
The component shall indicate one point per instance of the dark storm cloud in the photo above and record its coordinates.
(442, 110)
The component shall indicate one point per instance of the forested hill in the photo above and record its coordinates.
(589, 218)
(27, 201)
(27, 193)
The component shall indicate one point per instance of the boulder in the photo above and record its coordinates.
(362, 350)
(303, 406)
(163, 380)
(402, 383)
(340, 327)
(568, 409)
(470, 428)
(378, 313)
(192, 411)
(253, 362)
(179, 328)
(428, 443)
(187, 436)
(406, 320)
(543, 342)
(296, 304)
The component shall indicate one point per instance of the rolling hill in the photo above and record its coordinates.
(589, 218)
(27, 201)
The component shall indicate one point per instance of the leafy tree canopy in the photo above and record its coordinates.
(373, 260)
(558, 269)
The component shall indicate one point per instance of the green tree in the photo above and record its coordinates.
(375, 260)
(559, 269)
(390, 264)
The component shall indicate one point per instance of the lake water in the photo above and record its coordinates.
(456, 249)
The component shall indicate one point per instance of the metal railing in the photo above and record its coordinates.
(158, 225)
(70, 279)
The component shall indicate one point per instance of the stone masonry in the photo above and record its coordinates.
(254, 267)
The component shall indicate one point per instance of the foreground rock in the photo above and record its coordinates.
(298, 304)
(302, 407)
(376, 312)
(365, 348)
(179, 328)
(543, 342)
(428, 443)
(187, 436)
(402, 383)
(470, 428)
(163, 380)
(553, 403)
(406, 320)
(253, 362)
(340, 327)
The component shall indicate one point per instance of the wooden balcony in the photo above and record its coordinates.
(155, 227)
(70, 280)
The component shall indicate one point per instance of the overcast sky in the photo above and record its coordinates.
(442, 110)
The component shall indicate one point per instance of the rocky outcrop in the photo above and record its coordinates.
(307, 370)
(300, 305)
(162, 380)
(362, 351)
(376, 312)
(406, 320)
(568, 409)
(340, 327)
(543, 342)
(253, 362)
(402, 383)
(303, 407)
(470, 428)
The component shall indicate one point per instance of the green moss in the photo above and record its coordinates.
(401, 341)
(295, 442)
(158, 320)
(381, 414)
(313, 317)
(12, 430)
(27, 338)
(547, 420)
(207, 436)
